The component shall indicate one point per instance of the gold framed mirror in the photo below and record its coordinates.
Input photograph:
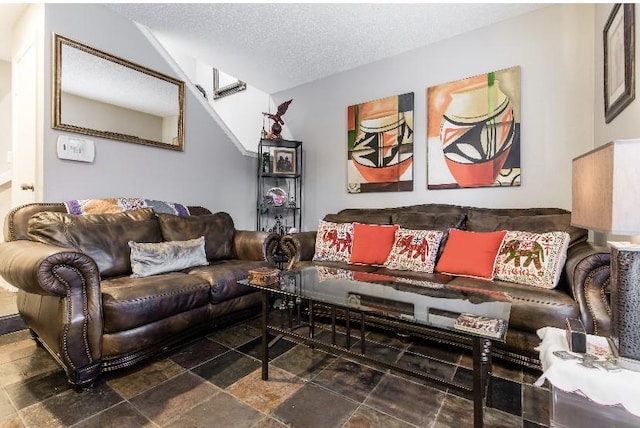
(99, 94)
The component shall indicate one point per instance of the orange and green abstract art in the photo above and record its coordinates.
(380, 152)
(473, 131)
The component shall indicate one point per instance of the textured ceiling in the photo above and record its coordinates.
(276, 46)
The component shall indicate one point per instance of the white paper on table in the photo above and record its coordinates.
(600, 386)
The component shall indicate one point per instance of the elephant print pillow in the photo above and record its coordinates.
(333, 242)
(414, 250)
(532, 258)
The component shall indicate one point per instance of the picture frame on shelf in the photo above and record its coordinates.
(284, 161)
(619, 60)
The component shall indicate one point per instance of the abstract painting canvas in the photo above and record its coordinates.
(380, 152)
(473, 131)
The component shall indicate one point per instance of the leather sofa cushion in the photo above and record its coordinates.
(218, 230)
(367, 216)
(428, 221)
(134, 302)
(479, 221)
(16, 222)
(103, 237)
(432, 209)
(223, 277)
(531, 307)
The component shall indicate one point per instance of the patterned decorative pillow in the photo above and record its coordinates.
(532, 258)
(153, 258)
(414, 250)
(325, 273)
(333, 242)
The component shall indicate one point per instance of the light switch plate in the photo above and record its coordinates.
(75, 148)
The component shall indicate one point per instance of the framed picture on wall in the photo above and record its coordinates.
(619, 60)
(380, 145)
(473, 131)
(284, 161)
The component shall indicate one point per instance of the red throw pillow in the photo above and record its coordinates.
(372, 277)
(372, 243)
(470, 253)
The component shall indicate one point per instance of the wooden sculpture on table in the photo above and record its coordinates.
(276, 128)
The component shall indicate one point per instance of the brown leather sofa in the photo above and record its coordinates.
(92, 316)
(581, 292)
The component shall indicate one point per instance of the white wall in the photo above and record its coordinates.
(5, 203)
(5, 139)
(5, 116)
(554, 48)
(210, 172)
(626, 124)
(240, 112)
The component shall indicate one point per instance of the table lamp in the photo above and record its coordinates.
(606, 198)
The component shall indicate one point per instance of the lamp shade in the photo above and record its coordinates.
(606, 188)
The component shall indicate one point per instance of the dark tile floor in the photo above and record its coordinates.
(215, 381)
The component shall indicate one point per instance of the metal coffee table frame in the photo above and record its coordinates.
(481, 346)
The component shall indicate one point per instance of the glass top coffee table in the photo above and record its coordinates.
(404, 304)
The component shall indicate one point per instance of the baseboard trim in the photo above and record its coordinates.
(11, 323)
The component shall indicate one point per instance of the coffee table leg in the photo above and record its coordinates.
(348, 326)
(265, 343)
(487, 374)
(363, 342)
(481, 363)
(312, 321)
(333, 325)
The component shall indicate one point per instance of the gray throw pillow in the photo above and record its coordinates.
(149, 258)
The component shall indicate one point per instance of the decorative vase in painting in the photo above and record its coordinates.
(378, 153)
(477, 133)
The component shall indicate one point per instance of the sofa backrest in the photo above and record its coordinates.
(15, 222)
(537, 220)
(361, 215)
(103, 237)
(444, 216)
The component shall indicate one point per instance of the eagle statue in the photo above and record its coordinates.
(276, 128)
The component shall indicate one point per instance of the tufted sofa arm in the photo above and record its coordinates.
(588, 273)
(253, 245)
(299, 246)
(71, 279)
